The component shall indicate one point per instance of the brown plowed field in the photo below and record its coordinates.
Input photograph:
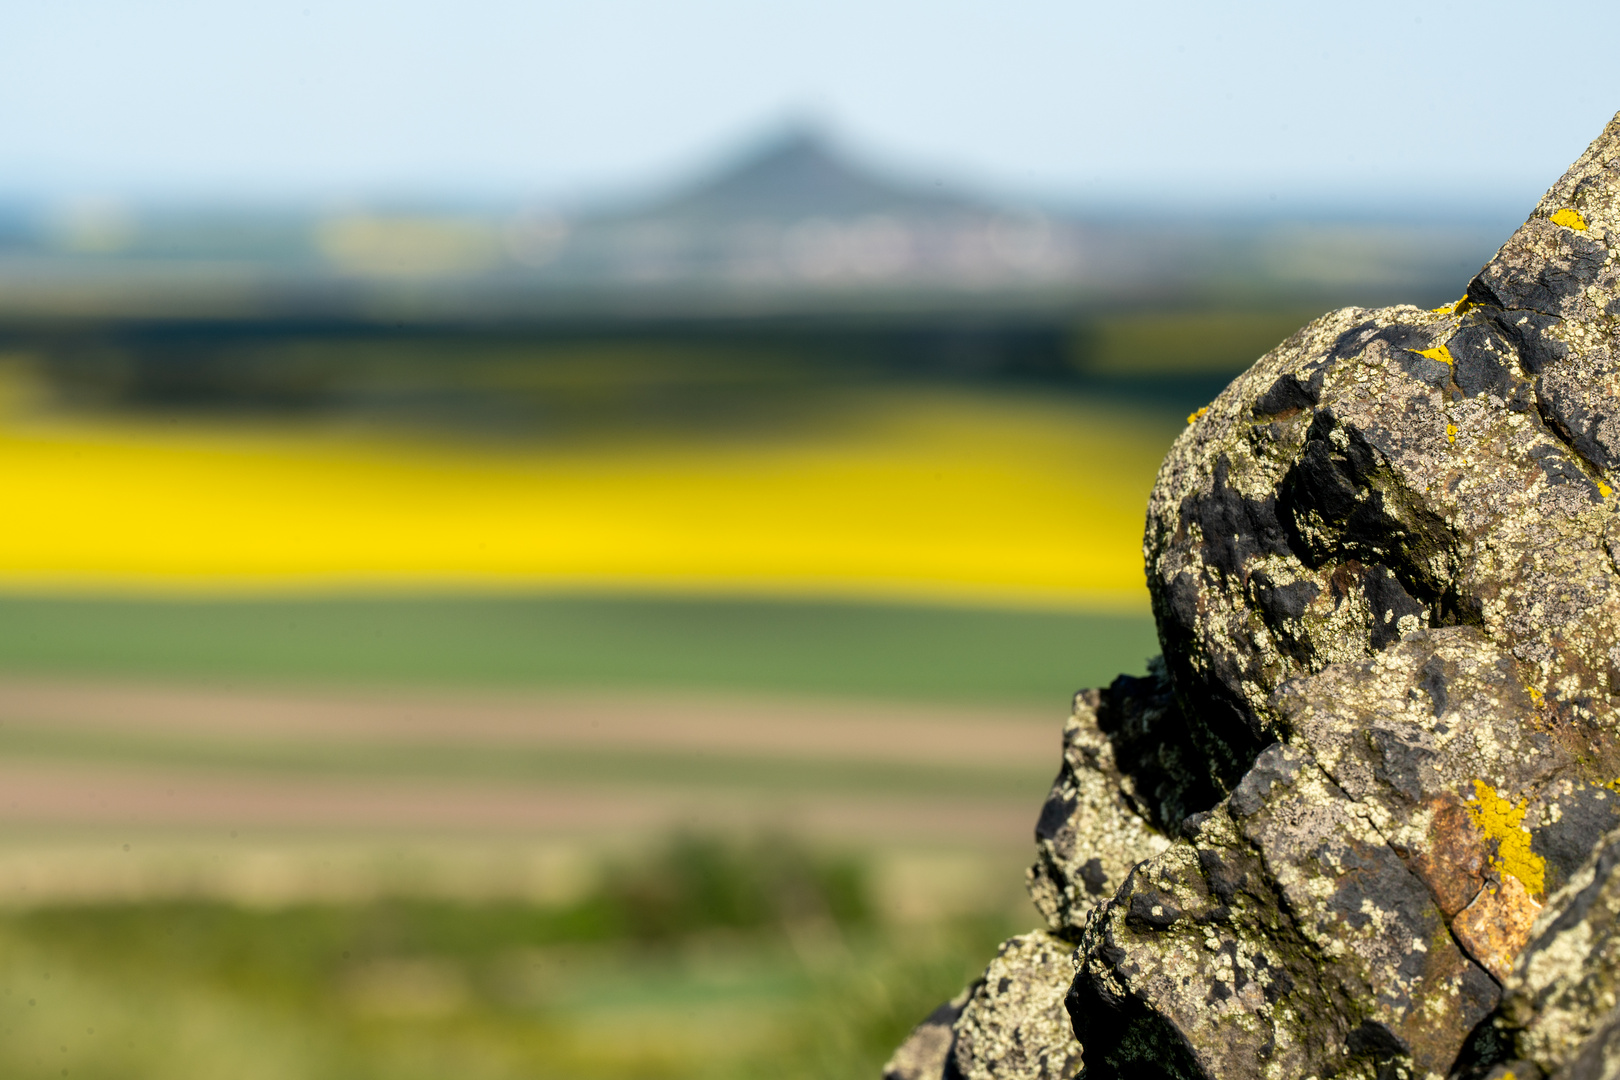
(119, 757)
(825, 729)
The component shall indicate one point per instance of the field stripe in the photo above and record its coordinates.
(120, 802)
(672, 722)
(537, 767)
(930, 653)
(114, 755)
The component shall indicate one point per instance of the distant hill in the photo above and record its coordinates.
(794, 176)
(793, 215)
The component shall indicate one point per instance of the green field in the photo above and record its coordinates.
(914, 652)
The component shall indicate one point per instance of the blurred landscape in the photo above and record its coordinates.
(621, 640)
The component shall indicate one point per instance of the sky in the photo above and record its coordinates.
(1427, 107)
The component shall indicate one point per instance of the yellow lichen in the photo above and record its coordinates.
(1451, 433)
(1535, 696)
(1501, 821)
(1604, 489)
(1191, 417)
(1456, 307)
(1570, 219)
(1439, 352)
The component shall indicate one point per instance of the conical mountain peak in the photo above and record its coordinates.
(800, 174)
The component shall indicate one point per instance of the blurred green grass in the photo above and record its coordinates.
(706, 959)
(913, 652)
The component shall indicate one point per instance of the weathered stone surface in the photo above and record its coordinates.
(927, 1050)
(1194, 966)
(1347, 828)
(1015, 1026)
(1385, 552)
(1467, 776)
(1284, 939)
(1124, 783)
(1383, 471)
(1561, 1007)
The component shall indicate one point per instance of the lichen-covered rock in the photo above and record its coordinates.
(1125, 782)
(1014, 1027)
(1561, 1007)
(1379, 474)
(1466, 776)
(1383, 471)
(927, 1050)
(1362, 794)
(1351, 905)
(1194, 970)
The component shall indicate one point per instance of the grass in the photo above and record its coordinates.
(785, 646)
(743, 1006)
(705, 960)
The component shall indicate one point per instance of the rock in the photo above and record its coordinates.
(1559, 1009)
(1356, 898)
(1124, 784)
(1383, 471)
(1015, 1026)
(927, 1050)
(1361, 821)
(1382, 569)
(1285, 938)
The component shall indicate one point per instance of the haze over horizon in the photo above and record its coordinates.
(1170, 104)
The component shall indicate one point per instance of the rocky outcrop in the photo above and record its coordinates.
(1015, 1026)
(927, 1050)
(1357, 821)
(1124, 784)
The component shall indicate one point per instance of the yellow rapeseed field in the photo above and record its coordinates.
(930, 495)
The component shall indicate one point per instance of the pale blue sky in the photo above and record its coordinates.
(1422, 105)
